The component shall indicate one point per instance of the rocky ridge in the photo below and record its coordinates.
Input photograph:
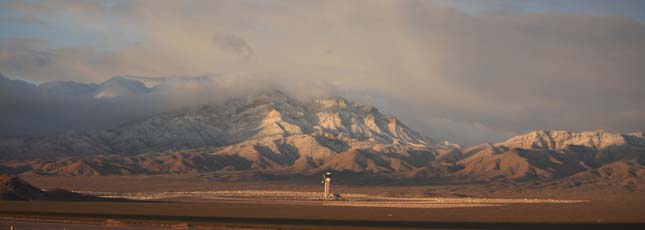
(15, 188)
(268, 131)
(272, 134)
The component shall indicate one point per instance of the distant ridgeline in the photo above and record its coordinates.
(271, 134)
(15, 188)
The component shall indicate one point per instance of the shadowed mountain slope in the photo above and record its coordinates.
(268, 132)
(273, 134)
(15, 188)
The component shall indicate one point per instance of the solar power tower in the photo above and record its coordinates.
(327, 182)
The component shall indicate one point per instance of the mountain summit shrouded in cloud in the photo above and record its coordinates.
(270, 135)
(60, 106)
(495, 68)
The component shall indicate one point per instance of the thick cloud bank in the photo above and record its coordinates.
(467, 78)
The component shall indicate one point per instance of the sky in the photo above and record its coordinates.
(463, 71)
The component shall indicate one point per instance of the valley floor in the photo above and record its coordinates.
(296, 215)
(204, 182)
(505, 206)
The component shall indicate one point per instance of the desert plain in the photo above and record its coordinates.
(196, 202)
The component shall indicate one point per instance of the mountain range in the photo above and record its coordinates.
(271, 134)
(15, 188)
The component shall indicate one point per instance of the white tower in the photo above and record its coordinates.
(327, 182)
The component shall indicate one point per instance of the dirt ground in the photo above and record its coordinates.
(199, 182)
(295, 214)
(603, 207)
(40, 225)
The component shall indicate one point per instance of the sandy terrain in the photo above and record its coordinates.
(200, 182)
(286, 204)
(314, 198)
(36, 225)
(279, 214)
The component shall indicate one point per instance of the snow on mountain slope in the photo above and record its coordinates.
(265, 115)
(551, 154)
(558, 140)
(270, 131)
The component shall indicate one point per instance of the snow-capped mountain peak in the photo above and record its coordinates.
(557, 140)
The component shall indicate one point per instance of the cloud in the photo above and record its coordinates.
(60, 106)
(465, 77)
(235, 45)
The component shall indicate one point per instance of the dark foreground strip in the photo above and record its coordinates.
(317, 223)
